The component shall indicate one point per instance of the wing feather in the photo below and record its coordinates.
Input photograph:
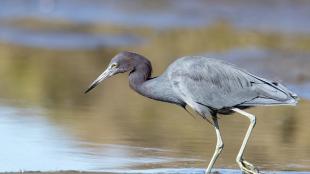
(218, 85)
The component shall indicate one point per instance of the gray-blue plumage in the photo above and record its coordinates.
(208, 86)
(204, 82)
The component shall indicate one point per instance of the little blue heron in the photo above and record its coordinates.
(208, 86)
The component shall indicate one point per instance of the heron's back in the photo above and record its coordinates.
(214, 84)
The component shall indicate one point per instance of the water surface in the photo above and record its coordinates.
(38, 139)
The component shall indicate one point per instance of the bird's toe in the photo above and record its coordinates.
(248, 168)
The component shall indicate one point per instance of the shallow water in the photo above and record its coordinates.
(268, 16)
(64, 40)
(50, 53)
(39, 139)
(192, 171)
(272, 15)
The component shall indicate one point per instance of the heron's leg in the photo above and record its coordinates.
(244, 165)
(219, 145)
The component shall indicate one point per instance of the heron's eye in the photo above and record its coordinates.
(114, 65)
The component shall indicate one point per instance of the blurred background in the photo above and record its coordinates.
(50, 50)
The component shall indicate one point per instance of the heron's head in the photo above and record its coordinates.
(123, 62)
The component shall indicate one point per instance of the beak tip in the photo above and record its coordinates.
(92, 86)
(86, 91)
(107, 73)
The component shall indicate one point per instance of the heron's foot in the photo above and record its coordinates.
(251, 166)
(247, 167)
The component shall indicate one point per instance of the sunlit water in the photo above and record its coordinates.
(33, 141)
(29, 142)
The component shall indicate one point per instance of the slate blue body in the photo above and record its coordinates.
(208, 86)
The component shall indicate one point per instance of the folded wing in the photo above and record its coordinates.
(218, 85)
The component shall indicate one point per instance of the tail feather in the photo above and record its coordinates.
(269, 102)
(273, 94)
(292, 97)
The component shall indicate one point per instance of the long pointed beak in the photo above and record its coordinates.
(107, 73)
